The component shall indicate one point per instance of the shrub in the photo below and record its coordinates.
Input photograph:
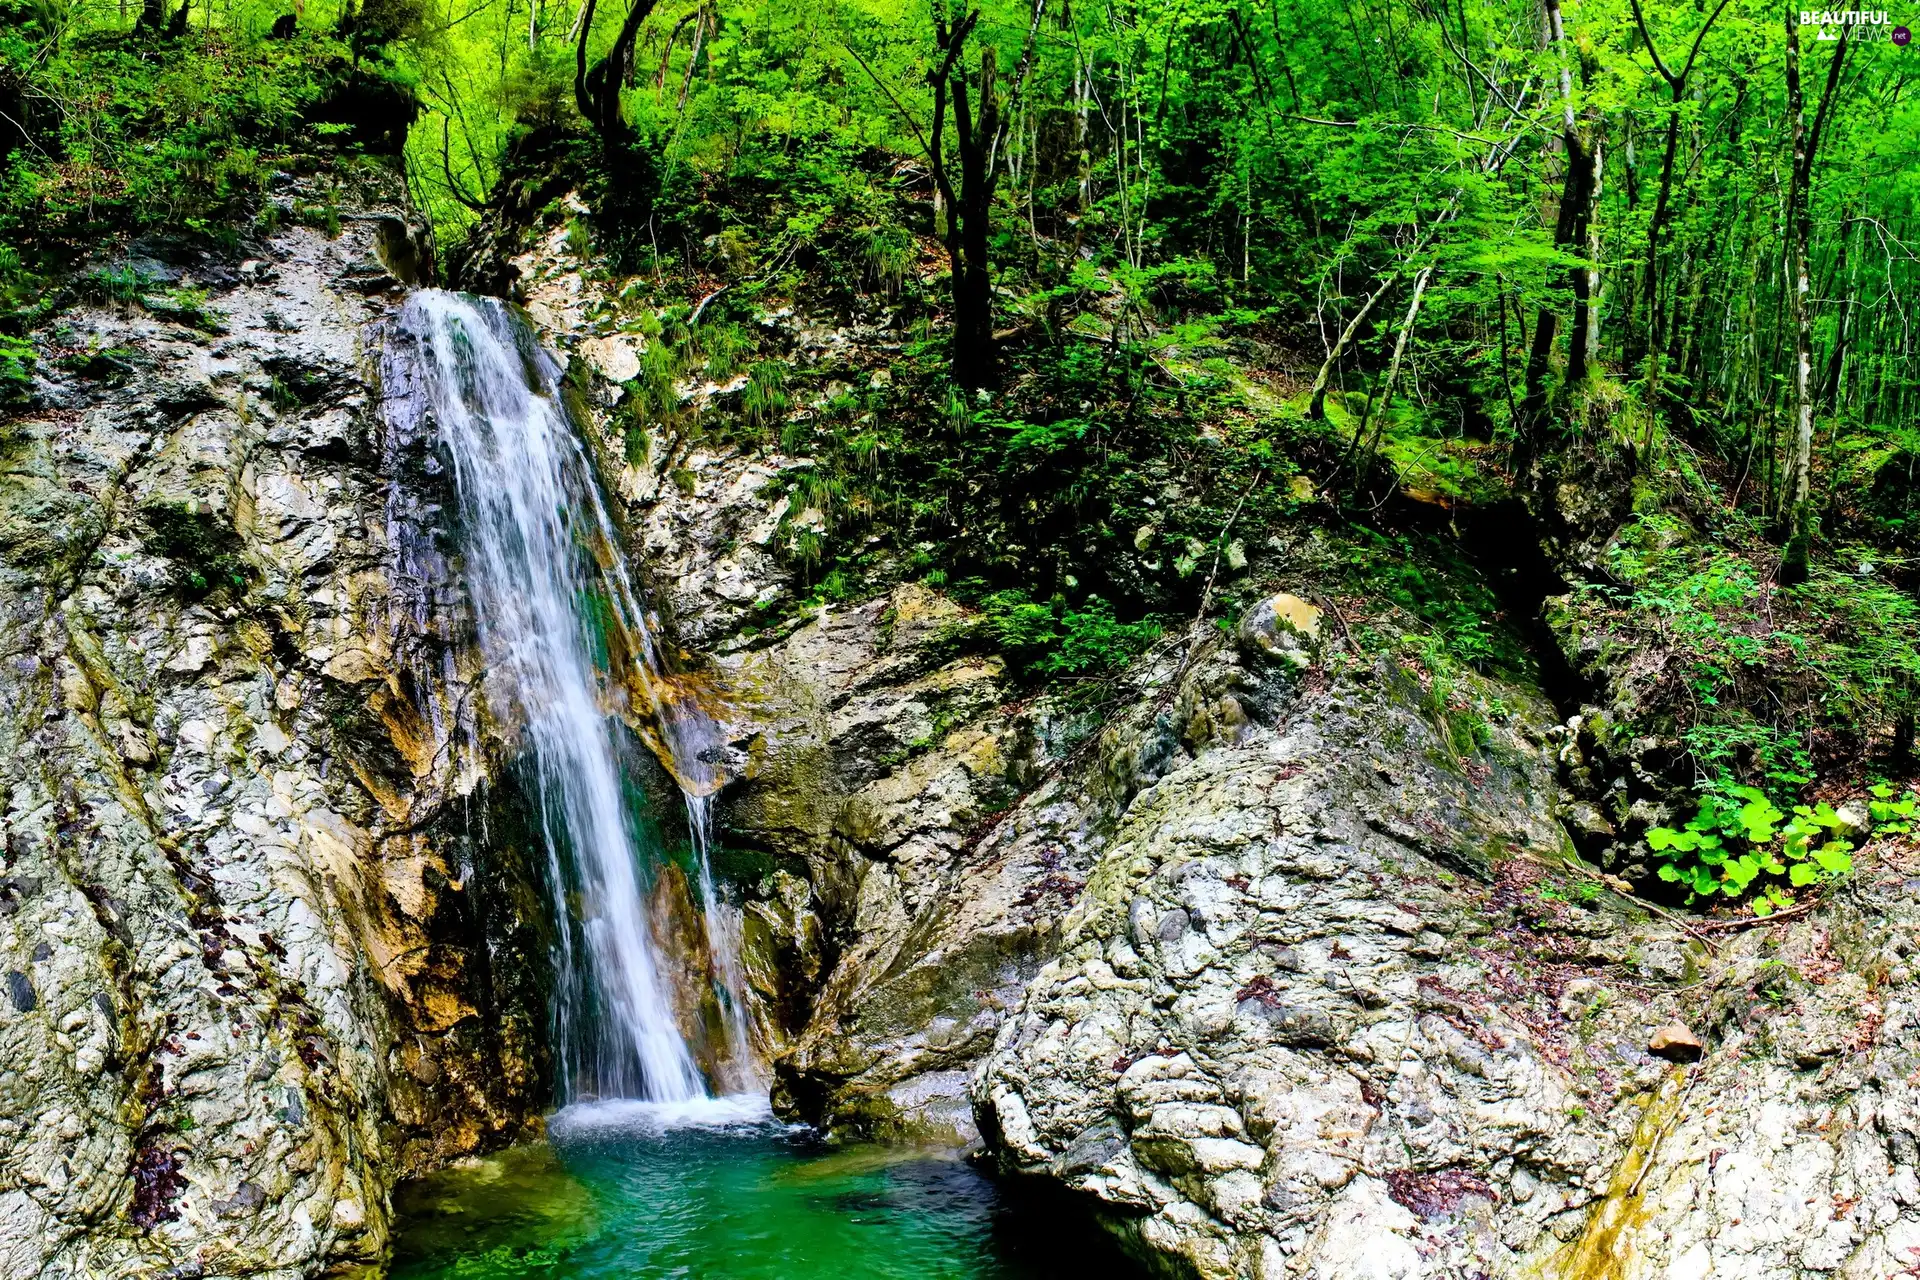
(16, 369)
(1056, 639)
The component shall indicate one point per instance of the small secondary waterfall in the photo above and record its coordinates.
(565, 636)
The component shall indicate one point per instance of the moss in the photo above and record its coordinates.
(1607, 1249)
(109, 366)
(201, 543)
(523, 1198)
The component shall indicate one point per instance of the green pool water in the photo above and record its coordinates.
(719, 1191)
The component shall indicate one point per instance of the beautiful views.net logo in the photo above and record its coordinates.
(1859, 24)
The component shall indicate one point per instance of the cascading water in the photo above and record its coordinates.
(567, 645)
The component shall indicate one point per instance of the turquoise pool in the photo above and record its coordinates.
(718, 1190)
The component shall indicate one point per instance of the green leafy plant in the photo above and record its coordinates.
(1740, 843)
(1057, 639)
(16, 368)
(1891, 816)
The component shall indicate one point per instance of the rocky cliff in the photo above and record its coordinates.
(261, 911)
(1336, 1003)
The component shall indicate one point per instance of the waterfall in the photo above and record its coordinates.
(568, 649)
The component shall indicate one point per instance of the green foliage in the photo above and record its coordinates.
(723, 345)
(131, 132)
(1891, 812)
(1440, 593)
(1764, 668)
(204, 550)
(1055, 639)
(16, 368)
(1742, 845)
(115, 284)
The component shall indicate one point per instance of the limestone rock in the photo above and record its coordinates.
(1293, 942)
(616, 358)
(215, 974)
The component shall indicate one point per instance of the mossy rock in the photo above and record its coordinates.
(198, 536)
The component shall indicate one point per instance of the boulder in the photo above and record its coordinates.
(1676, 1043)
(1282, 626)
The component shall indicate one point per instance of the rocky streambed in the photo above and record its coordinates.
(1285, 969)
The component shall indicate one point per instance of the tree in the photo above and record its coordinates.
(1578, 191)
(1662, 210)
(1797, 513)
(968, 210)
(980, 132)
(596, 89)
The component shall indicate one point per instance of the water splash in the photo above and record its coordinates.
(568, 648)
(737, 1112)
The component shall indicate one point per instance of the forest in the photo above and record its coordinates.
(1143, 279)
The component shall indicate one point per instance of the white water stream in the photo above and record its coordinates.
(566, 639)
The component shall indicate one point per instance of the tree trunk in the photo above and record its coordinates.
(1650, 283)
(1083, 161)
(1843, 332)
(978, 137)
(1797, 519)
(596, 89)
(1569, 231)
(1584, 350)
(1677, 89)
(973, 356)
(1317, 404)
(1393, 375)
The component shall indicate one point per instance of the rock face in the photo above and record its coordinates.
(1276, 955)
(1332, 1005)
(247, 941)
(893, 779)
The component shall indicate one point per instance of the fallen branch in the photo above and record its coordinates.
(1341, 618)
(694, 319)
(1612, 883)
(1755, 921)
